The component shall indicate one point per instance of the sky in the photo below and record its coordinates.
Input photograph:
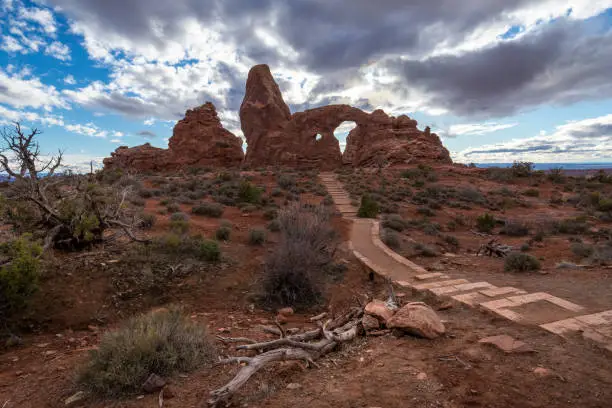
(498, 80)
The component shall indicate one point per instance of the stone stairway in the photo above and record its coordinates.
(507, 302)
(339, 194)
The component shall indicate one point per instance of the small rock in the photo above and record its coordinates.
(153, 384)
(445, 306)
(281, 319)
(370, 323)
(507, 344)
(293, 386)
(93, 328)
(542, 372)
(13, 341)
(140, 397)
(379, 309)
(223, 330)
(74, 399)
(419, 319)
(286, 311)
(42, 345)
(421, 376)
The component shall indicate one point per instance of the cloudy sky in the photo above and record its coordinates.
(499, 80)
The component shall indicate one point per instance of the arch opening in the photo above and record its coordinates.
(342, 131)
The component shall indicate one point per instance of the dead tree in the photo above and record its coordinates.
(71, 211)
(308, 347)
(494, 248)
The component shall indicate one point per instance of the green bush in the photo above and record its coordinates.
(270, 213)
(369, 207)
(328, 200)
(485, 223)
(582, 250)
(425, 250)
(515, 229)
(18, 277)
(173, 207)
(179, 226)
(274, 225)
(395, 222)
(451, 240)
(248, 193)
(208, 250)
(163, 342)
(520, 262)
(179, 216)
(390, 238)
(286, 181)
(522, 169)
(532, 192)
(224, 231)
(257, 236)
(571, 226)
(208, 209)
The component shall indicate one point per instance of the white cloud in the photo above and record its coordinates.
(477, 128)
(583, 140)
(118, 134)
(58, 50)
(43, 17)
(88, 129)
(69, 80)
(10, 44)
(20, 90)
(149, 122)
(116, 141)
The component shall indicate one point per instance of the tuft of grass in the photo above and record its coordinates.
(369, 207)
(485, 223)
(224, 231)
(515, 229)
(521, 262)
(390, 238)
(163, 342)
(395, 222)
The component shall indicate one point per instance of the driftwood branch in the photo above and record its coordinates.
(308, 347)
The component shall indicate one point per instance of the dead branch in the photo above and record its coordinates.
(308, 347)
(494, 248)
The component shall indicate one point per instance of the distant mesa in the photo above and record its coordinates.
(276, 137)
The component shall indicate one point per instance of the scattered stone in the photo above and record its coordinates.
(379, 309)
(421, 376)
(75, 398)
(370, 323)
(168, 393)
(293, 386)
(49, 352)
(507, 344)
(153, 384)
(542, 372)
(286, 311)
(419, 319)
(281, 319)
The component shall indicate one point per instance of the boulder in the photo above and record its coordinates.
(379, 310)
(507, 344)
(419, 319)
(370, 323)
(198, 140)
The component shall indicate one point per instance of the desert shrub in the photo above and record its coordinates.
(426, 211)
(394, 222)
(276, 192)
(571, 226)
(248, 193)
(179, 216)
(173, 207)
(390, 238)
(257, 236)
(274, 225)
(270, 213)
(208, 209)
(532, 192)
(147, 221)
(137, 201)
(208, 250)
(19, 273)
(582, 250)
(451, 240)
(522, 169)
(485, 222)
(224, 231)
(604, 204)
(293, 272)
(425, 250)
(179, 226)
(286, 181)
(328, 200)
(431, 228)
(525, 247)
(556, 175)
(248, 208)
(368, 208)
(162, 342)
(539, 236)
(520, 262)
(515, 229)
(471, 195)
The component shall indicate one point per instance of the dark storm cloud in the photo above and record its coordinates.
(559, 63)
(147, 134)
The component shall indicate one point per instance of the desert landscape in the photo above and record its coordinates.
(297, 274)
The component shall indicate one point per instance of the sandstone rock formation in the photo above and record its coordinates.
(306, 139)
(419, 319)
(198, 140)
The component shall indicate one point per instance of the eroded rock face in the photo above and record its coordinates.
(306, 139)
(198, 140)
